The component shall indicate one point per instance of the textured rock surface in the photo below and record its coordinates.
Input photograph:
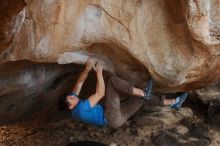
(190, 135)
(32, 90)
(176, 42)
(12, 16)
(162, 116)
(209, 93)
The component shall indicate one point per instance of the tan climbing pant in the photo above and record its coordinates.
(115, 112)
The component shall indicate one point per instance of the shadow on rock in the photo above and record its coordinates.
(214, 113)
(86, 143)
(30, 91)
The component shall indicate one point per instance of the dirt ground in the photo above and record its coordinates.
(68, 131)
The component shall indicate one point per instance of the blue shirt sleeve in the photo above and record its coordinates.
(86, 105)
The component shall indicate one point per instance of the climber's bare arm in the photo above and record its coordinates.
(100, 86)
(89, 65)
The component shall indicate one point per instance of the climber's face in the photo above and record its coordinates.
(72, 101)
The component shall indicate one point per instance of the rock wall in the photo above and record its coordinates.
(33, 91)
(175, 42)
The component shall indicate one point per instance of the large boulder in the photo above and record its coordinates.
(175, 42)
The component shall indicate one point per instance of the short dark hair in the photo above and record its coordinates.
(62, 103)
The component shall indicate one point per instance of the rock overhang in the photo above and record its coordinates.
(179, 48)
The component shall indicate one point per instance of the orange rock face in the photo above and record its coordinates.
(12, 17)
(175, 42)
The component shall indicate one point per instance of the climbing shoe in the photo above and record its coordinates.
(148, 90)
(179, 101)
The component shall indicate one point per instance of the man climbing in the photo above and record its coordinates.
(114, 113)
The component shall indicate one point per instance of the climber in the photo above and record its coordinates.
(113, 113)
(90, 111)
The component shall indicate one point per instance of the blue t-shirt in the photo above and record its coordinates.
(91, 115)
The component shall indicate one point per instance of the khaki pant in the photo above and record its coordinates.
(117, 113)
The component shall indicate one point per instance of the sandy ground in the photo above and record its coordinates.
(68, 131)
